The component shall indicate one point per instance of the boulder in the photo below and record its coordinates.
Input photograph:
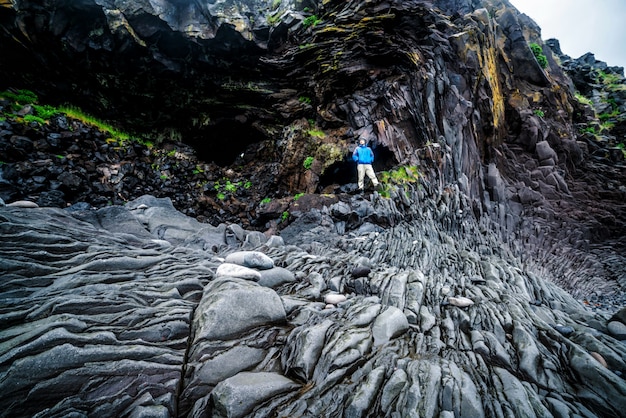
(230, 307)
(237, 396)
(389, 324)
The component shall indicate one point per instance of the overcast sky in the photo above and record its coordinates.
(581, 26)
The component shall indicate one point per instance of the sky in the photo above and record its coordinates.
(581, 26)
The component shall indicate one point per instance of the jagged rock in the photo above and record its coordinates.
(361, 354)
(389, 324)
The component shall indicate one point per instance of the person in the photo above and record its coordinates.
(364, 157)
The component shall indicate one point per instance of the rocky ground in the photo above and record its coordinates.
(139, 310)
(485, 278)
(65, 161)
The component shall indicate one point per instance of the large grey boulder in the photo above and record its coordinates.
(237, 396)
(231, 306)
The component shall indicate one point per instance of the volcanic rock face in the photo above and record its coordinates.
(436, 296)
(259, 89)
(131, 319)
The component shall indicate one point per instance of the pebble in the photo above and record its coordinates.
(235, 270)
(361, 271)
(23, 204)
(333, 298)
(251, 259)
(460, 301)
(599, 358)
(617, 330)
(566, 331)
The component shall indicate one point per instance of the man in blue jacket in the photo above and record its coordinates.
(364, 157)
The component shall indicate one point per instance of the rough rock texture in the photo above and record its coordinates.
(465, 278)
(451, 86)
(109, 321)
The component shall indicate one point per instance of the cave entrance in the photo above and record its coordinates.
(225, 141)
(344, 172)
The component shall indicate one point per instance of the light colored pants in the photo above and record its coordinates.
(362, 170)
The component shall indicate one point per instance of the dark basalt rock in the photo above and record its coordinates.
(119, 319)
(510, 213)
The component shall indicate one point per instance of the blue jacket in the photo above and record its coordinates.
(363, 155)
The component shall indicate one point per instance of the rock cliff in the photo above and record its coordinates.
(458, 289)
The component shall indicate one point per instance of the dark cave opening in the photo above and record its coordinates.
(225, 141)
(344, 172)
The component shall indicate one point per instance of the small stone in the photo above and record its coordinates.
(460, 301)
(566, 331)
(333, 298)
(276, 276)
(361, 271)
(252, 259)
(23, 204)
(599, 358)
(235, 270)
(617, 330)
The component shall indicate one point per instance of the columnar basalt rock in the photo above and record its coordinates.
(458, 289)
(109, 322)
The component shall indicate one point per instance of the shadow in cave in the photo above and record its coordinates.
(225, 141)
(344, 172)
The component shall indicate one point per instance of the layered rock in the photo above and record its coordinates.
(435, 297)
(120, 319)
(460, 94)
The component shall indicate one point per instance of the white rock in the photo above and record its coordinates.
(162, 243)
(445, 290)
(460, 301)
(235, 270)
(23, 204)
(334, 298)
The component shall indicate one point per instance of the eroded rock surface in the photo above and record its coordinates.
(97, 320)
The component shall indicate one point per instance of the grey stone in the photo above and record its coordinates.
(305, 348)
(236, 396)
(360, 271)
(275, 241)
(235, 270)
(252, 259)
(230, 307)
(365, 394)
(617, 329)
(389, 324)
(275, 277)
